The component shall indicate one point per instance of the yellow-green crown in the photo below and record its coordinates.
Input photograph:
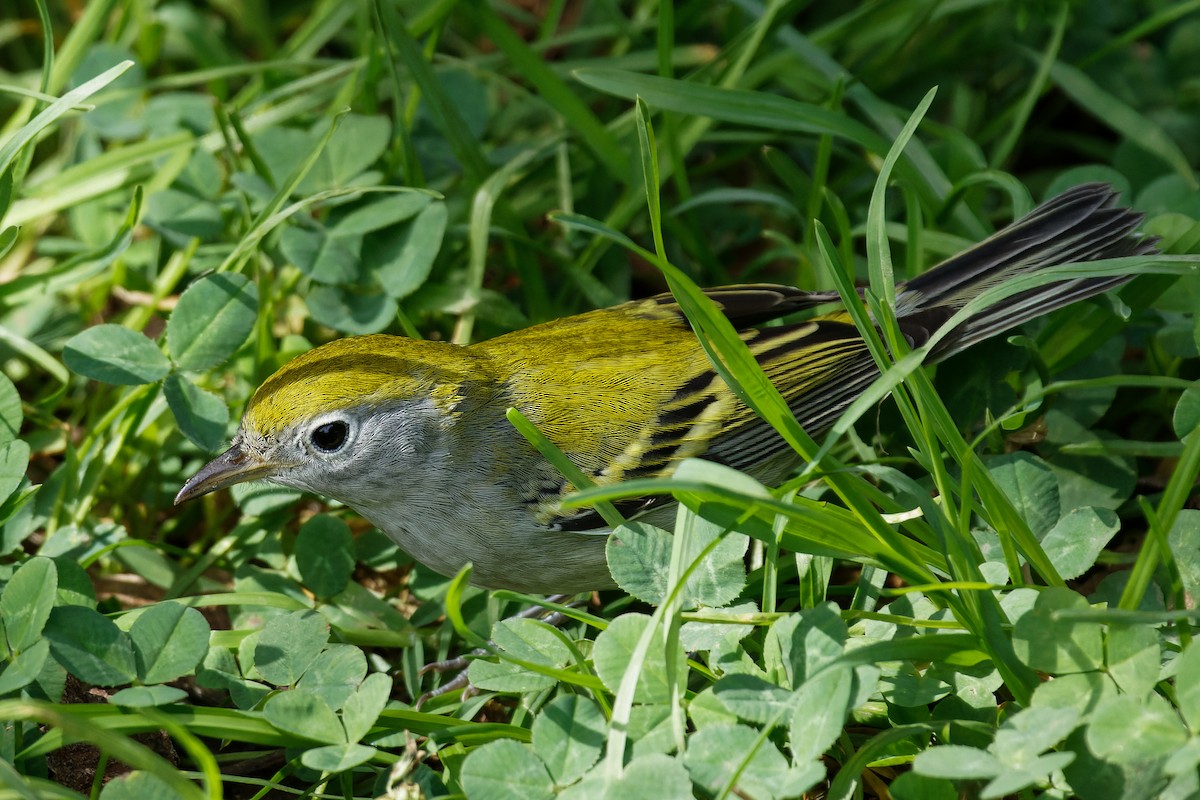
(361, 370)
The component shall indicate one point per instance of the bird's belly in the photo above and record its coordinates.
(534, 561)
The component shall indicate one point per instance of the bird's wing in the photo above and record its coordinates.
(639, 394)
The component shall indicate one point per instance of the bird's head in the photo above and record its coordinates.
(354, 419)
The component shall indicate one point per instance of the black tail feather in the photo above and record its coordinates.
(1081, 224)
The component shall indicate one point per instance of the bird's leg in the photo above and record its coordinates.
(460, 663)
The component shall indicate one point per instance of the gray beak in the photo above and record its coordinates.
(233, 466)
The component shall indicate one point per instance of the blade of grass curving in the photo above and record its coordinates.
(1179, 488)
(199, 754)
(79, 727)
(454, 598)
(265, 223)
(820, 528)
(1018, 195)
(1175, 589)
(879, 257)
(930, 180)
(445, 115)
(554, 90)
(740, 106)
(270, 216)
(16, 176)
(1122, 118)
(482, 204)
(78, 267)
(685, 520)
(1016, 125)
(1143, 29)
(650, 176)
(85, 31)
(26, 134)
(104, 174)
(564, 465)
(527, 600)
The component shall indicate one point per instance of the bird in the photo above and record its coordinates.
(412, 435)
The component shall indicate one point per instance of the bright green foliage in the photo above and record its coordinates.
(983, 587)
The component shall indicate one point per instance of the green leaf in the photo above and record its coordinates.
(169, 640)
(1058, 646)
(717, 752)
(113, 354)
(1187, 410)
(1102, 480)
(138, 785)
(334, 758)
(1184, 538)
(754, 699)
(1038, 770)
(147, 696)
(25, 668)
(379, 213)
(910, 687)
(656, 776)
(351, 311)
(74, 584)
(363, 707)
(10, 411)
(1031, 487)
(356, 144)
(613, 652)
(335, 674)
(1187, 686)
(639, 555)
(1077, 539)
(1031, 731)
(911, 786)
(957, 763)
(14, 460)
(521, 640)
(288, 645)
(568, 735)
(201, 415)
(822, 703)
(305, 714)
(402, 258)
(709, 635)
(321, 256)
(325, 555)
(506, 770)
(90, 646)
(1129, 730)
(213, 318)
(26, 602)
(180, 216)
(1080, 691)
(1133, 658)
(801, 644)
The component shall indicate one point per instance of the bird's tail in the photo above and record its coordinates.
(1081, 224)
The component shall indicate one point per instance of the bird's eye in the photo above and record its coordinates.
(330, 436)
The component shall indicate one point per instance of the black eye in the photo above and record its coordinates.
(330, 436)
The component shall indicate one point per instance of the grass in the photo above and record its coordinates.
(983, 586)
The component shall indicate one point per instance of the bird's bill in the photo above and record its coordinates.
(233, 466)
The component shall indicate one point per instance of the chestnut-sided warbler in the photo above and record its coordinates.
(413, 436)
